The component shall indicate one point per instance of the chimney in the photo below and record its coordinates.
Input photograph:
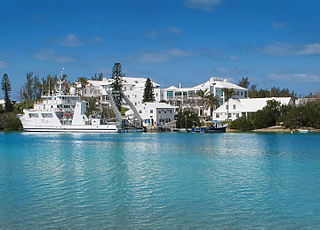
(179, 85)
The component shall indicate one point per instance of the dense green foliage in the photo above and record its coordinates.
(117, 83)
(35, 87)
(9, 121)
(305, 115)
(6, 87)
(148, 95)
(242, 124)
(273, 92)
(244, 82)
(19, 107)
(97, 77)
(187, 119)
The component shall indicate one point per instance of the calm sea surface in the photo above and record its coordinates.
(159, 180)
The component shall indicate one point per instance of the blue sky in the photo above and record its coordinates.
(273, 43)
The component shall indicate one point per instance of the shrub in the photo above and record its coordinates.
(242, 124)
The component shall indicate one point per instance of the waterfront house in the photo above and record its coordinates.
(242, 107)
(185, 97)
(154, 113)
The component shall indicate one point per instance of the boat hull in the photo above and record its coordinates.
(209, 130)
(216, 130)
(79, 129)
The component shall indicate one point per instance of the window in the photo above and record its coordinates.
(151, 111)
(191, 93)
(217, 115)
(159, 111)
(227, 107)
(156, 94)
(237, 115)
(33, 115)
(241, 93)
(170, 94)
(178, 93)
(234, 106)
(46, 115)
(140, 111)
(229, 115)
(246, 94)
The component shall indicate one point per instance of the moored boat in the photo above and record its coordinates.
(211, 127)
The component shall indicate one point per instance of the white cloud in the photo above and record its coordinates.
(3, 64)
(50, 55)
(286, 49)
(163, 56)
(297, 77)
(279, 25)
(205, 5)
(158, 57)
(71, 40)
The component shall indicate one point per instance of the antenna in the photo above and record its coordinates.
(60, 81)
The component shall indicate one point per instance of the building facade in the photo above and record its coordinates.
(236, 108)
(154, 113)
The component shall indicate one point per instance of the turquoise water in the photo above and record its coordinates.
(159, 180)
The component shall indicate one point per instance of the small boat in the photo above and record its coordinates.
(211, 127)
(304, 130)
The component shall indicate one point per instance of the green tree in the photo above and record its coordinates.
(26, 92)
(242, 124)
(117, 83)
(268, 116)
(100, 78)
(6, 87)
(244, 82)
(148, 95)
(84, 82)
(187, 119)
(228, 94)
(208, 100)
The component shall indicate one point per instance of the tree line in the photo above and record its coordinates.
(289, 116)
(253, 92)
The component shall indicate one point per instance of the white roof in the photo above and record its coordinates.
(206, 85)
(251, 104)
(136, 81)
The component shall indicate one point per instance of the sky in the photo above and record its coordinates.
(272, 42)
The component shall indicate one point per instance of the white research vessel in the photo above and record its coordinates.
(64, 113)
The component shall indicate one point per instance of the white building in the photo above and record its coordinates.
(132, 87)
(242, 107)
(2, 103)
(154, 113)
(180, 96)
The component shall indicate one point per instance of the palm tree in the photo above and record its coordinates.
(211, 102)
(208, 100)
(83, 81)
(228, 94)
